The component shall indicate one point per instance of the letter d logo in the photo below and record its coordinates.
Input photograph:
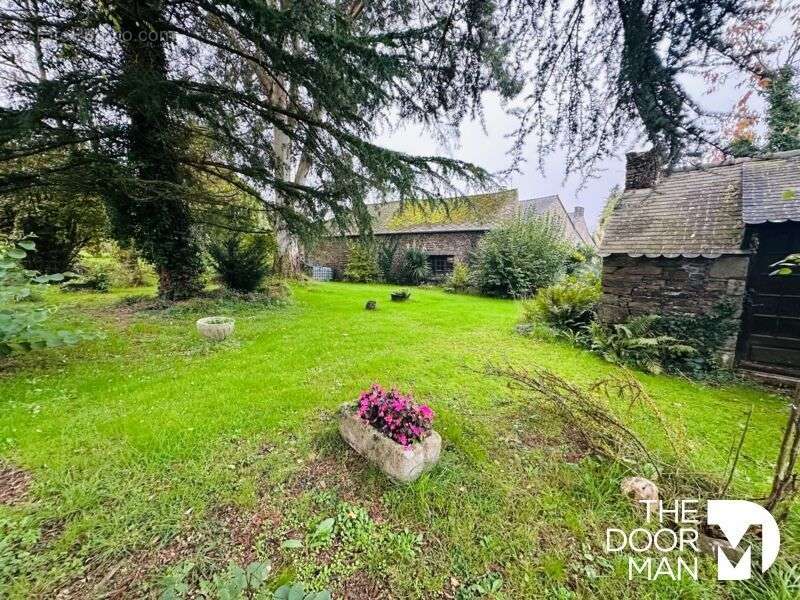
(734, 518)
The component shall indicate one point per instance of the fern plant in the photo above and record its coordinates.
(635, 344)
(565, 306)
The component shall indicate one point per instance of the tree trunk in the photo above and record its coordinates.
(153, 213)
(288, 257)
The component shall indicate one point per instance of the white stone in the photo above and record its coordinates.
(400, 463)
(639, 488)
(215, 328)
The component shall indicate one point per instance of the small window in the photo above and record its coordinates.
(441, 265)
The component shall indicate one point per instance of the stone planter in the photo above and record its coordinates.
(400, 296)
(399, 463)
(215, 328)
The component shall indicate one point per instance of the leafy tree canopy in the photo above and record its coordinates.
(152, 100)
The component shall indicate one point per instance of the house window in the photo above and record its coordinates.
(441, 265)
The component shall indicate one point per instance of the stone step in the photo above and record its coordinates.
(785, 383)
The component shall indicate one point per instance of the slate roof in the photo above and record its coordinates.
(480, 212)
(702, 211)
(771, 190)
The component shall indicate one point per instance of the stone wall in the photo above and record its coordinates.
(333, 252)
(637, 286)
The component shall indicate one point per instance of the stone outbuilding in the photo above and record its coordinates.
(684, 241)
(452, 235)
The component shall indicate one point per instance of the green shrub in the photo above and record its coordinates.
(568, 305)
(65, 222)
(387, 250)
(130, 270)
(90, 278)
(241, 261)
(415, 269)
(636, 343)
(520, 257)
(459, 279)
(362, 263)
(22, 323)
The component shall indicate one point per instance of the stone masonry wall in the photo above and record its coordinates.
(333, 252)
(637, 286)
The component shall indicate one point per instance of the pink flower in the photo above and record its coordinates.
(395, 415)
(426, 411)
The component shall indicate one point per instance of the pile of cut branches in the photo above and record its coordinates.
(587, 415)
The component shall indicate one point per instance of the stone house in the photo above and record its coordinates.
(685, 241)
(449, 236)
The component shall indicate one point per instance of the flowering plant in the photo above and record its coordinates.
(395, 415)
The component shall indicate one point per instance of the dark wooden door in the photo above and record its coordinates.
(772, 308)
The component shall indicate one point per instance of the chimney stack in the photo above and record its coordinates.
(642, 169)
(578, 212)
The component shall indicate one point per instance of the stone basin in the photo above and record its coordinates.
(400, 463)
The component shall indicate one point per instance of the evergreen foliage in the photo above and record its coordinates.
(520, 257)
(387, 252)
(460, 280)
(637, 343)
(568, 305)
(783, 111)
(706, 333)
(161, 108)
(242, 261)
(362, 263)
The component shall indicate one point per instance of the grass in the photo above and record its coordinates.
(153, 452)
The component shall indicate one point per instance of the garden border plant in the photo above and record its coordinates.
(22, 323)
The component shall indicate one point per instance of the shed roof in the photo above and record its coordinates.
(771, 190)
(702, 211)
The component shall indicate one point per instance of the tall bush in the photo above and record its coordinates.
(65, 223)
(362, 263)
(242, 261)
(520, 257)
(460, 279)
(387, 251)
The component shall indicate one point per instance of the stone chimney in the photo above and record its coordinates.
(578, 212)
(642, 169)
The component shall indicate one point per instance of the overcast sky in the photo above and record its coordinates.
(488, 150)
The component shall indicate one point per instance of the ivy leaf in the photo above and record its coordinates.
(16, 253)
(789, 195)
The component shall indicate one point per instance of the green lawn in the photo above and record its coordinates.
(151, 450)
